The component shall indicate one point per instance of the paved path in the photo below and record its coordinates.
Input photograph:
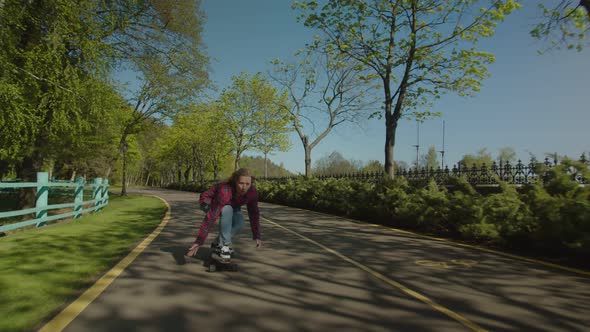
(322, 273)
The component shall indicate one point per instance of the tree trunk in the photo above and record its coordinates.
(265, 165)
(215, 169)
(307, 150)
(124, 151)
(586, 4)
(27, 172)
(307, 162)
(187, 173)
(237, 162)
(4, 168)
(390, 127)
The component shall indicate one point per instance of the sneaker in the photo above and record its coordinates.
(215, 245)
(224, 252)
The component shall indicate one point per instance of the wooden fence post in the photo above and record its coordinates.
(105, 192)
(42, 195)
(78, 196)
(97, 193)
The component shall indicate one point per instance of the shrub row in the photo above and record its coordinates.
(551, 218)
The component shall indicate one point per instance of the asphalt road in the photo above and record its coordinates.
(317, 272)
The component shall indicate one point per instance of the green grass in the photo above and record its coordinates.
(44, 269)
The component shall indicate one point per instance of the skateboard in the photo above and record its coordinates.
(216, 263)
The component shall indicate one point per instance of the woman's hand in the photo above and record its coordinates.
(192, 251)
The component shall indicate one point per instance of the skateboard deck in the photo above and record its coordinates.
(216, 263)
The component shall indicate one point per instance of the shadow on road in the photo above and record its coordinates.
(291, 284)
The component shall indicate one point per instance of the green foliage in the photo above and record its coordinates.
(430, 159)
(252, 114)
(482, 157)
(508, 215)
(48, 67)
(558, 179)
(480, 232)
(373, 166)
(43, 270)
(460, 185)
(17, 122)
(389, 194)
(425, 209)
(95, 151)
(59, 107)
(275, 124)
(321, 77)
(256, 165)
(416, 51)
(506, 154)
(561, 210)
(565, 25)
(334, 164)
(533, 218)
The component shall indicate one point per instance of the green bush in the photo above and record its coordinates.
(433, 209)
(509, 216)
(554, 217)
(391, 194)
(364, 196)
(562, 217)
(464, 208)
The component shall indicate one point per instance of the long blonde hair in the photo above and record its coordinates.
(233, 179)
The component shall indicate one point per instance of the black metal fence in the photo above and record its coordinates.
(517, 173)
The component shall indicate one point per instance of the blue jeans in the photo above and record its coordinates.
(231, 222)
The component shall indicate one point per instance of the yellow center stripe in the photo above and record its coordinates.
(66, 316)
(393, 283)
(500, 253)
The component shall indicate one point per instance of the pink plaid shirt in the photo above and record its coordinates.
(223, 194)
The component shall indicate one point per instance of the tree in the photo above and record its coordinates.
(317, 78)
(373, 166)
(417, 49)
(94, 151)
(51, 83)
(205, 138)
(161, 42)
(479, 159)
(258, 165)
(274, 135)
(430, 160)
(334, 164)
(252, 114)
(150, 164)
(565, 24)
(506, 154)
(55, 55)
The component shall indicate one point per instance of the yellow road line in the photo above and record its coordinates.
(397, 230)
(521, 258)
(66, 316)
(389, 281)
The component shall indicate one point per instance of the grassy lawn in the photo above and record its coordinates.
(45, 268)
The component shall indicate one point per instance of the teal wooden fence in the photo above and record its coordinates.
(100, 198)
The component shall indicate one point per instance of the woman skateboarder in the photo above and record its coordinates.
(224, 201)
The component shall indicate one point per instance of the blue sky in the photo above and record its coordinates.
(534, 104)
